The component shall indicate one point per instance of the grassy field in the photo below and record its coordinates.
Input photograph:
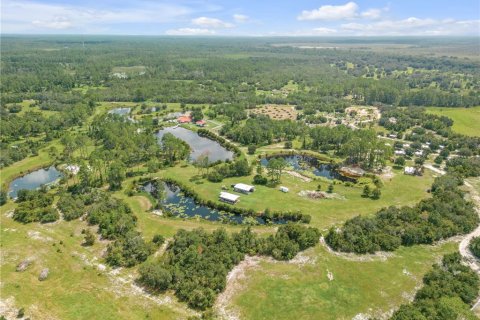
(282, 290)
(465, 120)
(76, 288)
(399, 190)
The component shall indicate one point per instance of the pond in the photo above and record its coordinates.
(120, 111)
(307, 163)
(182, 206)
(199, 145)
(34, 180)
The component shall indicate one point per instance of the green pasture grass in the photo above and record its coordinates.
(465, 120)
(286, 290)
(399, 190)
(75, 288)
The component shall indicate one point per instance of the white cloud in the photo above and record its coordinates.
(30, 16)
(324, 31)
(414, 26)
(240, 18)
(329, 12)
(57, 23)
(190, 32)
(372, 14)
(211, 23)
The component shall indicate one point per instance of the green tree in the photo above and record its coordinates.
(366, 191)
(116, 175)
(275, 169)
(330, 188)
(376, 193)
(89, 238)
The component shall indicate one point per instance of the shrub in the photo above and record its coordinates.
(158, 239)
(474, 246)
(89, 238)
(259, 179)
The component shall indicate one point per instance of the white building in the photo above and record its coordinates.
(243, 188)
(284, 189)
(73, 169)
(399, 152)
(409, 170)
(228, 197)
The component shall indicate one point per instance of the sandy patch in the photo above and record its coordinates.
(36, 235)
(298, 175)
(145, 204)
(379, 256)
(234, 284)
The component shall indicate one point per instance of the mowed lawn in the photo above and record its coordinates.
(399, 190)
(465, 120)
(283, 290)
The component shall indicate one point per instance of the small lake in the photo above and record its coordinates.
(306, 163)
(185, 207)
(120, 111)
(34, 180)
(199, 145)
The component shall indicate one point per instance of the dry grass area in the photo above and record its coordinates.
(277, 111)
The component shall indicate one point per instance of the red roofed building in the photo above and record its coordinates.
(184, 119)
(201, 123)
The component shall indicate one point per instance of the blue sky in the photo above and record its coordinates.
(245, 18)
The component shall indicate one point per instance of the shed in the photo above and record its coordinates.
(228, 197)
(410, 170)
(244, 188)
(201, 123)
(284, 189)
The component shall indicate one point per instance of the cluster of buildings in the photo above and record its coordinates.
(183, 118)
(233, 198)
(241, 188)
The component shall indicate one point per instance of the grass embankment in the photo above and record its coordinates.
(278, 290)
(465, 120)
(28, 164)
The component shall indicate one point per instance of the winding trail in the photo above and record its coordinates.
(468, 258)
(467, 255)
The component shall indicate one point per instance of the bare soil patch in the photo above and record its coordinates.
(277, 111)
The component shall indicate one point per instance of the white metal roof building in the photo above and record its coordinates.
(228, 197)
(284, 189)
(409, 170)
(245, 188)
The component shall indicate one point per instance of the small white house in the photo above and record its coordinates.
(409, 170)
(228, 197)
(419, 153)
(243, 188)
(399, 152)
(73, 169)
(284, 189)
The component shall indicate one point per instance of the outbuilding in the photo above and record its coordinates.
(284, 189)
(410, 170)
(228, 197)
(243, 188)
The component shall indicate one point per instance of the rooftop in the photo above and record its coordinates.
(229, 196)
